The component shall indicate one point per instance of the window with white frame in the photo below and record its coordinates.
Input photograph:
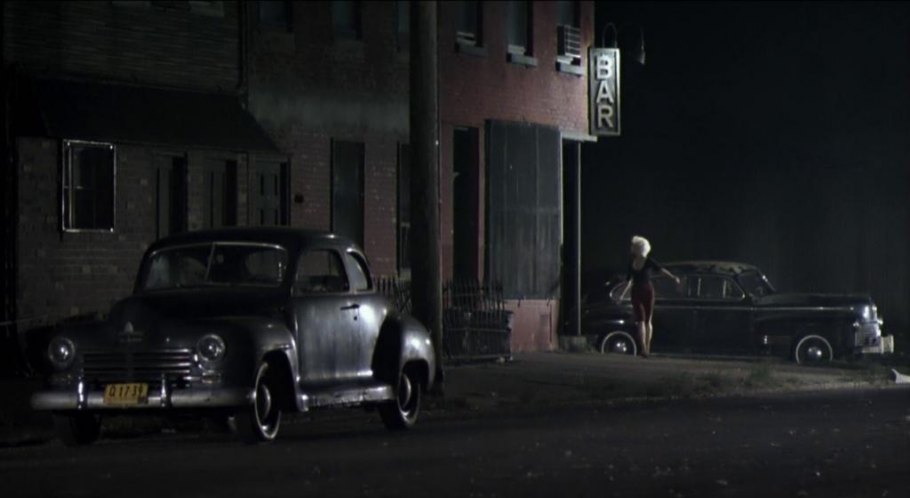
(88, 185)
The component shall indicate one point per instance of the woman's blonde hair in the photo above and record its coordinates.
(641, 246)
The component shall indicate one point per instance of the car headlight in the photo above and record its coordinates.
(61, 352)
(211, 347)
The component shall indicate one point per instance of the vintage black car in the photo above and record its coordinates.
(732, 308)
(242, 324)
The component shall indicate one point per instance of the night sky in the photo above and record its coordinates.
(773, 133)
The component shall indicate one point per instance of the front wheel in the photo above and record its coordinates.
(77, 429)
(813, 350)
(401, 413)
(259, 422)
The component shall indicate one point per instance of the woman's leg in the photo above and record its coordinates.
(643, 337)
(648, 334)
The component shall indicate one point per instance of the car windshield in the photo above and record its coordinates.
(216, 264)
(756, 284)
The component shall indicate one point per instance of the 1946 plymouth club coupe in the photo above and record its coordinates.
(241, 324)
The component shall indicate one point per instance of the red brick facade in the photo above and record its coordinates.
(304, 87)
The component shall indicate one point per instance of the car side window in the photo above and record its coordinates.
(666, 288)
(719, 288)
(360, 275)
(320, 271)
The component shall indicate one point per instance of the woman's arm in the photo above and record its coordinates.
(625, 290)
(667, 273)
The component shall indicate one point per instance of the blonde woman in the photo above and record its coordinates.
(639, 279)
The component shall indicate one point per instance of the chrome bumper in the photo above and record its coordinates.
(884, 344)
(81, 398)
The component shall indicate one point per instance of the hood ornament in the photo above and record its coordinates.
(130, 335)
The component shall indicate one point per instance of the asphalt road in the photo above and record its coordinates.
(841, 443)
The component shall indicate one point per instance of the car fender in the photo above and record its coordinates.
(252, 340)
(402, 339)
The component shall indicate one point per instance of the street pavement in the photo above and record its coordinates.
(530, 380)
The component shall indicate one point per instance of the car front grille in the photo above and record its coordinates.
(136, 366)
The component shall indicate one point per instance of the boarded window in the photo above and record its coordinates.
(523, 209)
(347, 190)
(88, 185)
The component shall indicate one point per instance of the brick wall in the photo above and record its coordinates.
(69, 273)
(307, 89)
(138, 42)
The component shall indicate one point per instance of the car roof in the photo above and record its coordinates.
(706, 266)
(290, 238)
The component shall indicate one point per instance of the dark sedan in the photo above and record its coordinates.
(241, 324)
(732, 308)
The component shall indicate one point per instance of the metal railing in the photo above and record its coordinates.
(475, 323)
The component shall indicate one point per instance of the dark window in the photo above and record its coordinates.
(469, 23)
(347, 190)
(665, 288)
(89, 171)
(403, 24)
(360, 275)
(220, 194)
(319, 271)
(567, 13)
(714, 287)
(518, 27)
(275, 14)
(269, 194)
(465, 202)
(404, 208)
(170, 195)
(346, 19)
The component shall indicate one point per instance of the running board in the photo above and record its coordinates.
(346, 395)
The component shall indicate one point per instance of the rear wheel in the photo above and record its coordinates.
(618, 342)
(813, 350)
(77, 429)
(401, 413)
(259, 422)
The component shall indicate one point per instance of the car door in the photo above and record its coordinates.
(722, 315)
(370, 308)
(327, 319)
(672, 319)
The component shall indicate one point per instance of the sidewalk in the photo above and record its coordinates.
(553, 378)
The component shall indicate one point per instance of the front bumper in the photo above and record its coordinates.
(869, 339)
(882, 345)
(81, 397)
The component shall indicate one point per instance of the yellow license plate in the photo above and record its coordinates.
(126, 394)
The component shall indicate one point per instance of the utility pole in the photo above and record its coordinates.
(426, 275)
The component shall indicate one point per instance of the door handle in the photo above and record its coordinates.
(354, 306)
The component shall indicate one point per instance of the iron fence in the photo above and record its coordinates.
(476, 324)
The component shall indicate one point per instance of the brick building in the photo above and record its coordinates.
(127, 121)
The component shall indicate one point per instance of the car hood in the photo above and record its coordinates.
(814, 300)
